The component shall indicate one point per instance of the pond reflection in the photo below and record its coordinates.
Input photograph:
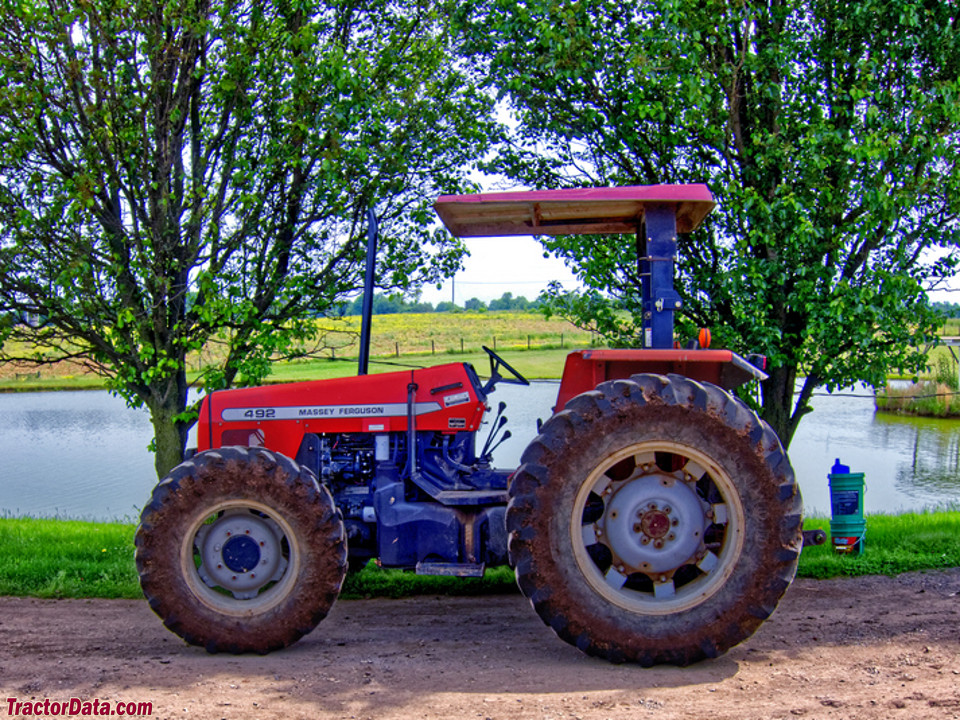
(84, 454)
(932, 469)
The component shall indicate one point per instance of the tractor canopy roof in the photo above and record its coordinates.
(572, 211)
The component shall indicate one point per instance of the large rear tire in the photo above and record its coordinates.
(241, 550)
(655, 520)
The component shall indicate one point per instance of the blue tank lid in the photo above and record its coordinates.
(839, 469)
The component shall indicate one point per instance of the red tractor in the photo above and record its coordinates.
(654, 519)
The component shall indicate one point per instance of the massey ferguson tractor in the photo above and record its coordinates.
(654, 518)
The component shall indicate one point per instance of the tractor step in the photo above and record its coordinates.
(452, 569)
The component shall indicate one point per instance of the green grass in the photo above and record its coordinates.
(422, 339)
(74, 559)
(541, 363)
(894, 544)
(926, 398)
(66, 558)
(934, 397)
(533, 364)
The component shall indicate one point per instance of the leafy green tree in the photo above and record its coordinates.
(947, 309)
(508, 302)
(178, 176)
(827, 130)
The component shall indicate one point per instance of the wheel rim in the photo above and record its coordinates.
(657, 527)
(240, 557)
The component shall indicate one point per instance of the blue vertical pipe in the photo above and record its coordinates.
(366, 314)
(657, 250)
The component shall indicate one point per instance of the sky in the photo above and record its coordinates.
(498, 265)
(516, 265)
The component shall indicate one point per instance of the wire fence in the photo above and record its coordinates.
(395, 348)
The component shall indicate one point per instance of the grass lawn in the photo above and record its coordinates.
(67, 558)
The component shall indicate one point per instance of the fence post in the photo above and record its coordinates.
(461, 346)
(433, 349)
(397, 346)
(561, 341)
(528, 342)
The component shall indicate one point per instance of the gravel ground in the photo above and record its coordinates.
(851, 648)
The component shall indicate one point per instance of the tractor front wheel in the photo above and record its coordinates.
(655, 520)
(241, 550)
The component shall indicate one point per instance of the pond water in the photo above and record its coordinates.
(84, 454)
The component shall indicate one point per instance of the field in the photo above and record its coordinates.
(534, 344)
(408, 338)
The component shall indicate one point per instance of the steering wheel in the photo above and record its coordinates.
(496, 362)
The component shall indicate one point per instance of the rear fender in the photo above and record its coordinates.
(585, 369)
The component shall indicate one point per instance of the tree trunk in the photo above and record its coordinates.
(167, 403)
(782, 407)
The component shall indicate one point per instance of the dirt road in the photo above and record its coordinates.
(851, 648)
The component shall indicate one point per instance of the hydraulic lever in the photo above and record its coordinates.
(498, 422)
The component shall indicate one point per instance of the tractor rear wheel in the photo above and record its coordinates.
(241, 550)
(655, 520)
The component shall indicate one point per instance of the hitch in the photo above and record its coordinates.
(814, 537)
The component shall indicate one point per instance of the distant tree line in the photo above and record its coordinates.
(397, 303)
(947, 309)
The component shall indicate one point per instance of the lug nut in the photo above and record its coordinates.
(658, 543)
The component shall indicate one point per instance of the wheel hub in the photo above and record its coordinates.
(653, 524)
(241, 552)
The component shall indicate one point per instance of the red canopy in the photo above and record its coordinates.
(586, 211)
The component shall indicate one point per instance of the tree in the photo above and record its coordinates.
(827, 129)
(508, 302)
(947, 309)
(178, 176)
